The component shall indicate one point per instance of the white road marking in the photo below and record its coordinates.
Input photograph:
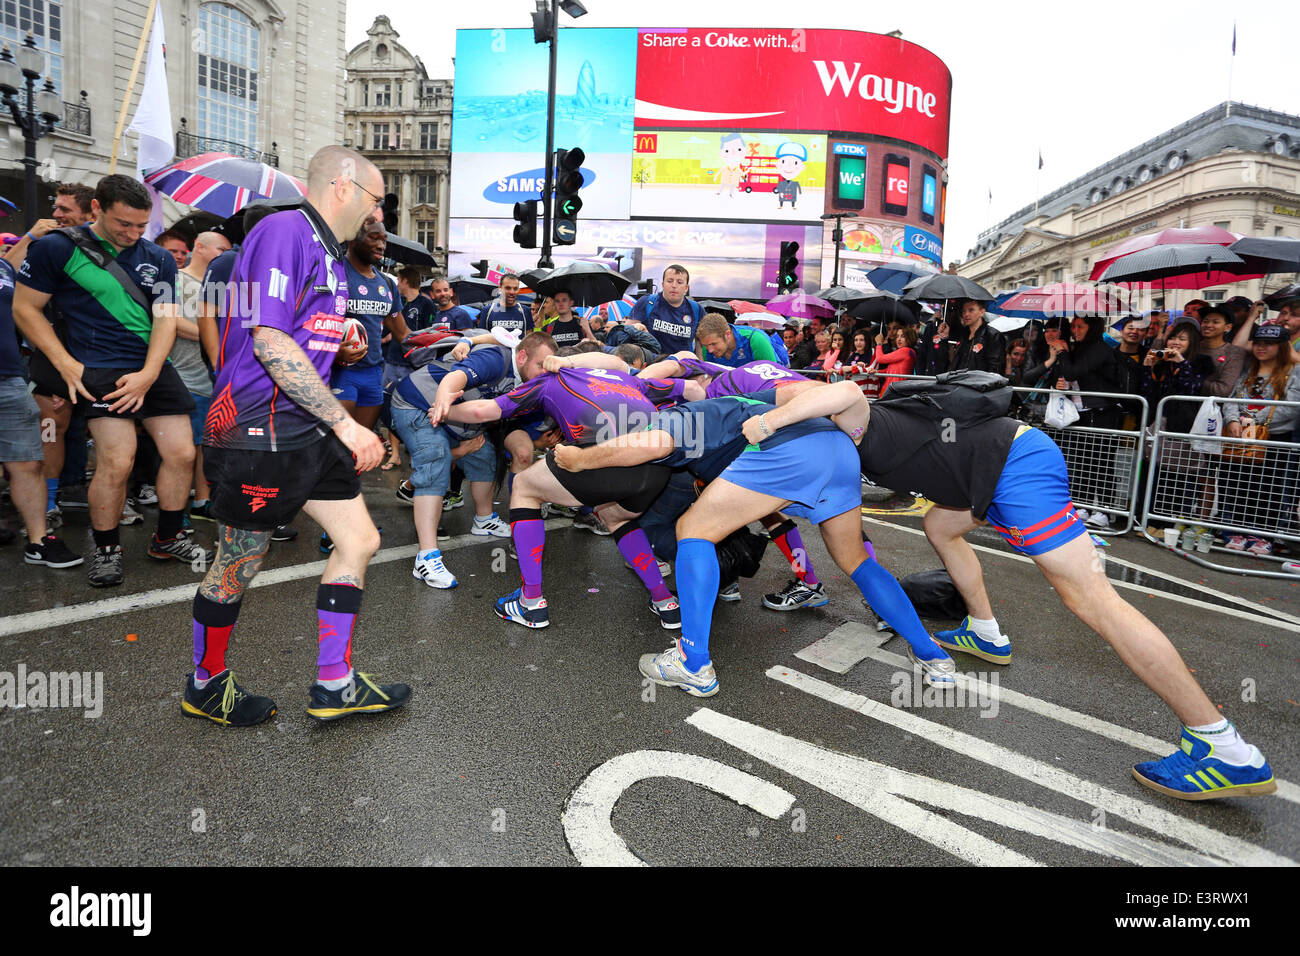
(844, 647)
(160, 597)
(1044, 774)
(868, 786)
(1235, 599)
(1283, 625)
(863, 641)
(587, 812)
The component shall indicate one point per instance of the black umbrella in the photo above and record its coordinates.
(1168, 262)
(589, 283)
(716, 305)
(885, 307)
(235, 227)
(406, 252)
(1262, 254)
(840, 296)
(1275, 300)
(944, 285)
(196, 222)
(531, 277)
(472, 289)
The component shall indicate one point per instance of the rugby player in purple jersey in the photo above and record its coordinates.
(280, 442)
(805, 589)
(589, 406)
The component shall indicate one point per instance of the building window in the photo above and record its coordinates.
(1214, 295)
(43, 19)
(1224, 224)
(228, 60)
(383, 94)
(1277, 231)
(426, 188)
(1058, 275)
(426, 233)
(428, 136)
(378, 135)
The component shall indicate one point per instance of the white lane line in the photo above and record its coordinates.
(1235, 599)
(159, 597)
(844, 647)
(864, 783)
(587, 812)
(864, 641)
(1126, 585)
(1044, 774)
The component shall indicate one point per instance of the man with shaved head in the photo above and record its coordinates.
(279, 442)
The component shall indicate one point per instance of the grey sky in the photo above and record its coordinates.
(1083, 82)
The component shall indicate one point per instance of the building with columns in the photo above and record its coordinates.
(1233, 166)
(259, 78)
(400, 119)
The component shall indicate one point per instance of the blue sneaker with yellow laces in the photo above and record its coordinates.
(963, 638)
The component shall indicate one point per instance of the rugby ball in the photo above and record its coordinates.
(354, 335)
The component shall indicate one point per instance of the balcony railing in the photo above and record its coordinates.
(188, 144)
(76, 117)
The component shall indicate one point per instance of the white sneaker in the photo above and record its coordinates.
(665, 568)
(1098, 519)
(1083, 514)
(130, 515)
(669, 669)
(433, 572)
(148, 495)
(730, 592)
(491, 525)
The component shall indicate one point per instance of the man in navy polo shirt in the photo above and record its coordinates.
(506, 311)
(116, 362)
(453, 316)
(358, 377)
(669, 315)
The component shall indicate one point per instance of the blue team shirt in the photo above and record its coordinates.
(11, 362)
(370, 301)
(420, 314)
(457, 317)
(97, 338)
(673, 327)
(517, 319)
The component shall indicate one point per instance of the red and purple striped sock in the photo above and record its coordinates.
(529, 533)
(337, 606)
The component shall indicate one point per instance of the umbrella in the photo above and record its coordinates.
(740, 306)
(1199, 235)
(717, 305)
(235, 226)
(615, 310)
(472, 289)
(531, 277)
(762, 320)
(1275, 300)
(885, 307)
(1276, 254)
(895, 278)
(944, 285)
(1056, 299)
(6, 207)
(1006, 323)
(406, 252)
(839, 295)
(588, 282)
(1186, 266)
(223, 184)
(196, 222)
(800, 305)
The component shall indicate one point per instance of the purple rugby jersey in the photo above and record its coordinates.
(591, 405)
(290, 276)
(751, 377)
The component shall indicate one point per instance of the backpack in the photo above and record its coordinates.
(933, 595)
(966, 397)
(778, 346)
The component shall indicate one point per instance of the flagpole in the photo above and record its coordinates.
(130, 85)
(1232, 60)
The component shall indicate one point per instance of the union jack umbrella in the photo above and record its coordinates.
(223, 184)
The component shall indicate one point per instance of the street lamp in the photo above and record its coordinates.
(546, 29)
(36, 117)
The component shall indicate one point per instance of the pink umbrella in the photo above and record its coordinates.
(740, 306)
(801, 305)
(1059, 299)
(1211, 235)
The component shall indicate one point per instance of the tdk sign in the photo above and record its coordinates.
(848, 149)
(520, 187)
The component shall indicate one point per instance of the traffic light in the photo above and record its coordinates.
(526, 231)
(480, 268)
(543, 27)
(568, 180)
(787, 274)
(390, 212)
(646, 286)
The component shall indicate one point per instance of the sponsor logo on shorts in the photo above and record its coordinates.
(258, 496)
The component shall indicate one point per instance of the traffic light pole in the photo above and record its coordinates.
(548, 190)
(837, 236)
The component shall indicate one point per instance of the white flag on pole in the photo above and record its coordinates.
(153, 117)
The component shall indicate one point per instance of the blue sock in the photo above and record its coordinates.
(886, 597)
(697, 590)
(51, 492)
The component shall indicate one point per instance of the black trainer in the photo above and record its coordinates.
(52, 553)
(106, 567)
(406, 491)
(284, 532)
(360, 695)
(225, 702)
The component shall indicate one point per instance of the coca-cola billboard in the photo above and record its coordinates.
(814, 80)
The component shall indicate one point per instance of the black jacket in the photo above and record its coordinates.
(985, 351)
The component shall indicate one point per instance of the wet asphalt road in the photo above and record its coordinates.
(506, 723)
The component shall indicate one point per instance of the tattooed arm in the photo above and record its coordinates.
(289, 367)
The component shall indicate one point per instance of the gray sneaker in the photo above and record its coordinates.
(591, 522)
(729, 592)
(54, 518)
(130, 515)
(179, 548)
(937, 672)
(669, 669)
(106, 567)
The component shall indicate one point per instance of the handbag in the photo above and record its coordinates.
(1255, 431)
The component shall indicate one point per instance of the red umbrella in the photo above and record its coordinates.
(1212, 235)
(223, 184)
(741, 306)
(1059, 299)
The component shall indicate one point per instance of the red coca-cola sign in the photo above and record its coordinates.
(798, 80)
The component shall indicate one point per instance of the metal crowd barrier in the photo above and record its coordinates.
(1239, 486)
